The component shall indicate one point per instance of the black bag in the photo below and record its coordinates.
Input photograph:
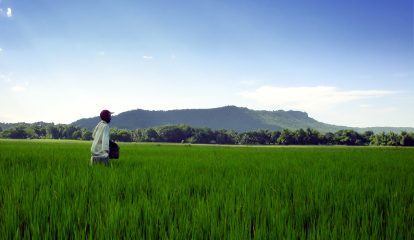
(113, 150)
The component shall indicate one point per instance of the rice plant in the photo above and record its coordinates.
(166, 191)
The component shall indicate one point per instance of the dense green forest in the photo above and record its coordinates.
(187, 134)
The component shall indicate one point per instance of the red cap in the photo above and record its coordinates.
(106, 115)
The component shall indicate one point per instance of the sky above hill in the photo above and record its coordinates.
(344, 62)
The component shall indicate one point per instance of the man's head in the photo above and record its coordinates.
(106, 115)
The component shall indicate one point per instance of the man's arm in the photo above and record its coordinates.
(94, 132)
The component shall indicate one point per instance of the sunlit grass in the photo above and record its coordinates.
(48, 189)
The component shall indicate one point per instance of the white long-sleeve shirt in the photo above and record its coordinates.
(100, 135)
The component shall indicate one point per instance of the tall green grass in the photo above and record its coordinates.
(48, 190)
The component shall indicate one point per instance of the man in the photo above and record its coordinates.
(100, 135)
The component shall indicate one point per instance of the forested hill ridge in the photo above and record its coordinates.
(230, 117)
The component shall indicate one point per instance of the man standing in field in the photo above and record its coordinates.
(100, 135)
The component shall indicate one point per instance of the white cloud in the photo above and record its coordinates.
(6, 12)
(310, 99)
(18, 88)
(147, 57)
(1, 50)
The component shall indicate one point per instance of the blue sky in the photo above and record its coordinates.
(344, 62)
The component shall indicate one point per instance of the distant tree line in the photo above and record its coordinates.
(46, 131)
(187, 134)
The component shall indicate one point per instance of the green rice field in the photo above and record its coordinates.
(48, 190)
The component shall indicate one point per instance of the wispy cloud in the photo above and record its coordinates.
(401, 75)
(313, 99)
(147, 57)
(18, 88)
(6, 12)
(365, 105)
(1, 50)
(5, 78)
(101, 53)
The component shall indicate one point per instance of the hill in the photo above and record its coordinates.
(229, 117)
